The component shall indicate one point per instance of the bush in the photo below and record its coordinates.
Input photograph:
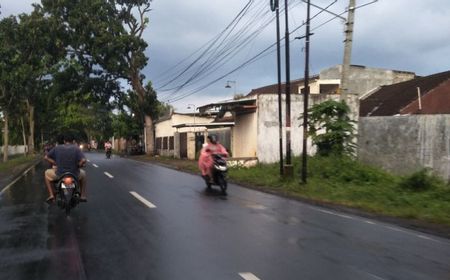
(420, 181)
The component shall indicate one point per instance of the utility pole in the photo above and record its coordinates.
(288, 166)
(306, 97)
(274, 6)
(347, 50)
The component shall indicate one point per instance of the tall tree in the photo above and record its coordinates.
(8, 63)
(105, 37)
(39, 49)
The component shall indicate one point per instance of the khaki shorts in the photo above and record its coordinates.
(50, 174)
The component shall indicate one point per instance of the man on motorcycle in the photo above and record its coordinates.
(205, 160)
(108, 147)
(65, 158)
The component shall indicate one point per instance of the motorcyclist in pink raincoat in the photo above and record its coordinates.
(205, 160)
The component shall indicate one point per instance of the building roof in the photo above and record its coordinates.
(271, 89)
(402, 98)
(238, 106)
(207, 125)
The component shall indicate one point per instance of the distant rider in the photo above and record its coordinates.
(108, 147)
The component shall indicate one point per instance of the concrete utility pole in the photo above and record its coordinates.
(274, 6)
(347, 50)
(306, 97)
(288, 166)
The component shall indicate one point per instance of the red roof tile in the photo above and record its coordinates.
(397, 98)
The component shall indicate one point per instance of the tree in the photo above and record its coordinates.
(8, 62)
(105, 37)
(331, 129)
(38, 50)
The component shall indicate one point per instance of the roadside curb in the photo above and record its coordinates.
(6, 183)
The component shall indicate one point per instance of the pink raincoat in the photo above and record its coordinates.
(205, 160)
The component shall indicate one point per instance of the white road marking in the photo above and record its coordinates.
(335, 214)
(143, 200)
(375, 276)
(15, 181)
(248, 276)
(109, 175)
(424, 237)
(373, 223)
(95, 165)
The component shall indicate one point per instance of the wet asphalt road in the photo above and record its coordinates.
(193, 234)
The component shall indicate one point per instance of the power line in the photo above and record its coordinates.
(227, 55)
(258, 56)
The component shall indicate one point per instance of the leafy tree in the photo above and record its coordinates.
(38, 50)
(8, 88)
(331, 129)
(105, 38)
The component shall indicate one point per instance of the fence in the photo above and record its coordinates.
(405, 144)
(14, 150)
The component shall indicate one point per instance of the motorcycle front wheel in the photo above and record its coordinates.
(222, 184)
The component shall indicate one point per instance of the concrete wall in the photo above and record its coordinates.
(164, 128)
(14, 150)
(244, 136)
(267, 125)
(363, 79)
(405, 144)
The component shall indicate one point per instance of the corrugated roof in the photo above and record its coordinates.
(392, 99)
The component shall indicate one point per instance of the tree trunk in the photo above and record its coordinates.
(30, 108)
(42, 137)
(5, 138)
(148, 122)
(24, 137)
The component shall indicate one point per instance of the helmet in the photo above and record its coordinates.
(212, 138)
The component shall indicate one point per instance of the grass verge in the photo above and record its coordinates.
(15, 163)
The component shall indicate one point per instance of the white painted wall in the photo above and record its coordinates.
(267, 125)
(244, 142)
(14, 150)
(164, 128)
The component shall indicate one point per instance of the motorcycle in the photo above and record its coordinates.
(108, 153)
(219, 173)
(67, 191)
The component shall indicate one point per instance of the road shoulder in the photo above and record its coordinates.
(422, 226)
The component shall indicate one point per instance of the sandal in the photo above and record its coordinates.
(50, 199)
(83, 199)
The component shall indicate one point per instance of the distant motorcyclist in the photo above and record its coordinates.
(65, 157)
(108, 147)
(205, 161)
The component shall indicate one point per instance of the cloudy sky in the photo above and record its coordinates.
(192, 54)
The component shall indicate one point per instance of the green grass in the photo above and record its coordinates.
(346, 182)
(15, 161)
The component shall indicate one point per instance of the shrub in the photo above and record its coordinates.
(331, 129)
(420, 181)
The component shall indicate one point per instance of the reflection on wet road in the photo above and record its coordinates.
(148, 222)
